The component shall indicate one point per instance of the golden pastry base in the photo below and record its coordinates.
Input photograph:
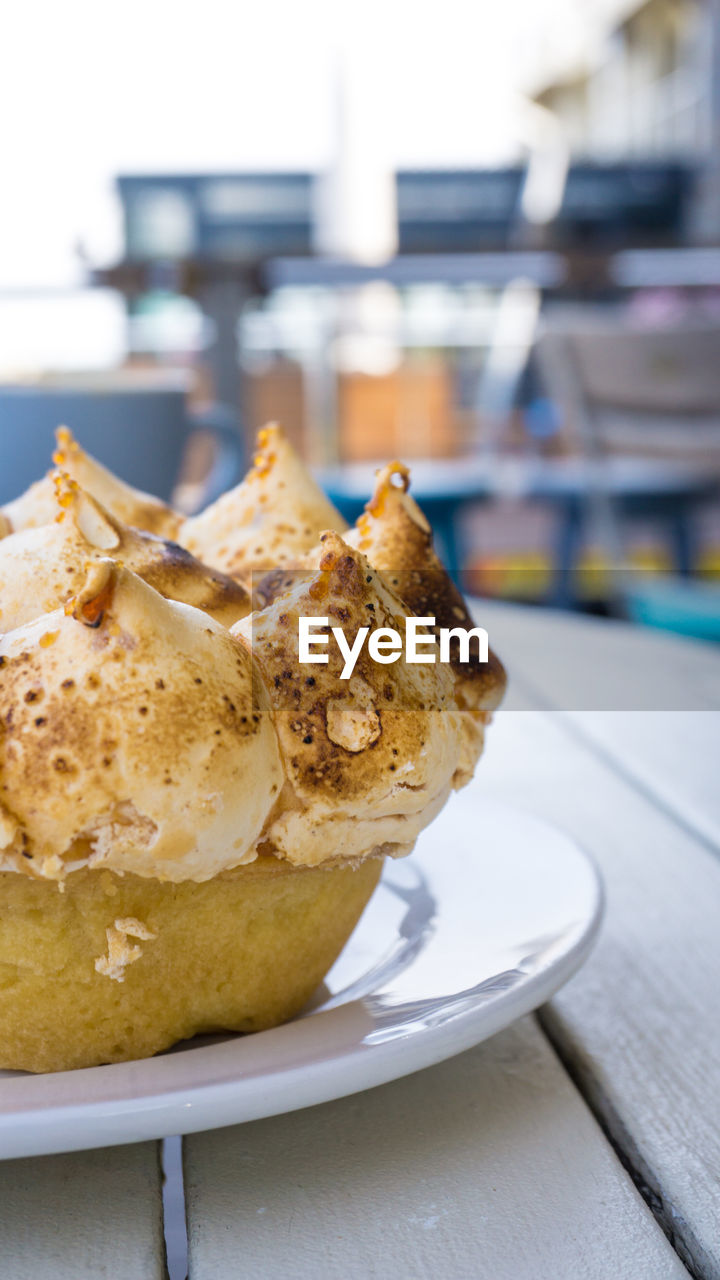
(241, 952)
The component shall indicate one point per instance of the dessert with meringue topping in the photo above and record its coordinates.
(192, 820)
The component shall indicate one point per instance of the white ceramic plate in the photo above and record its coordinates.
(490, 915)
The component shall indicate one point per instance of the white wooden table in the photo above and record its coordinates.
(581, 1143)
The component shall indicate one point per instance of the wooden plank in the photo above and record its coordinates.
(673, 755)
(639, 1026)
(613, 681)
(486, 1167)
(83, 1216)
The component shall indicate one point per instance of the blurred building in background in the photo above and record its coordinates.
(644, 90)
(384, 241)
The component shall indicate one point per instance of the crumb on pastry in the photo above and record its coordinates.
(120, 953)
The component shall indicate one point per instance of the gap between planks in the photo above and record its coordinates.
(616, 1134)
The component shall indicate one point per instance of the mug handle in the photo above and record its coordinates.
(229, 463)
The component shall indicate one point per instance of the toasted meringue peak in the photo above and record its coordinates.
(136, 736)
(132, 506)
(40, 567)
(368, 760)
(5, 526)
(396, 538)
(37, 506)
(274, 515)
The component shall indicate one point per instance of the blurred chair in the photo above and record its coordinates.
(138, 427)
(645, 408)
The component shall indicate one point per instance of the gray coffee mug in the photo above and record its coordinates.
(140, 432)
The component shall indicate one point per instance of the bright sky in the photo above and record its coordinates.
(90, 89)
